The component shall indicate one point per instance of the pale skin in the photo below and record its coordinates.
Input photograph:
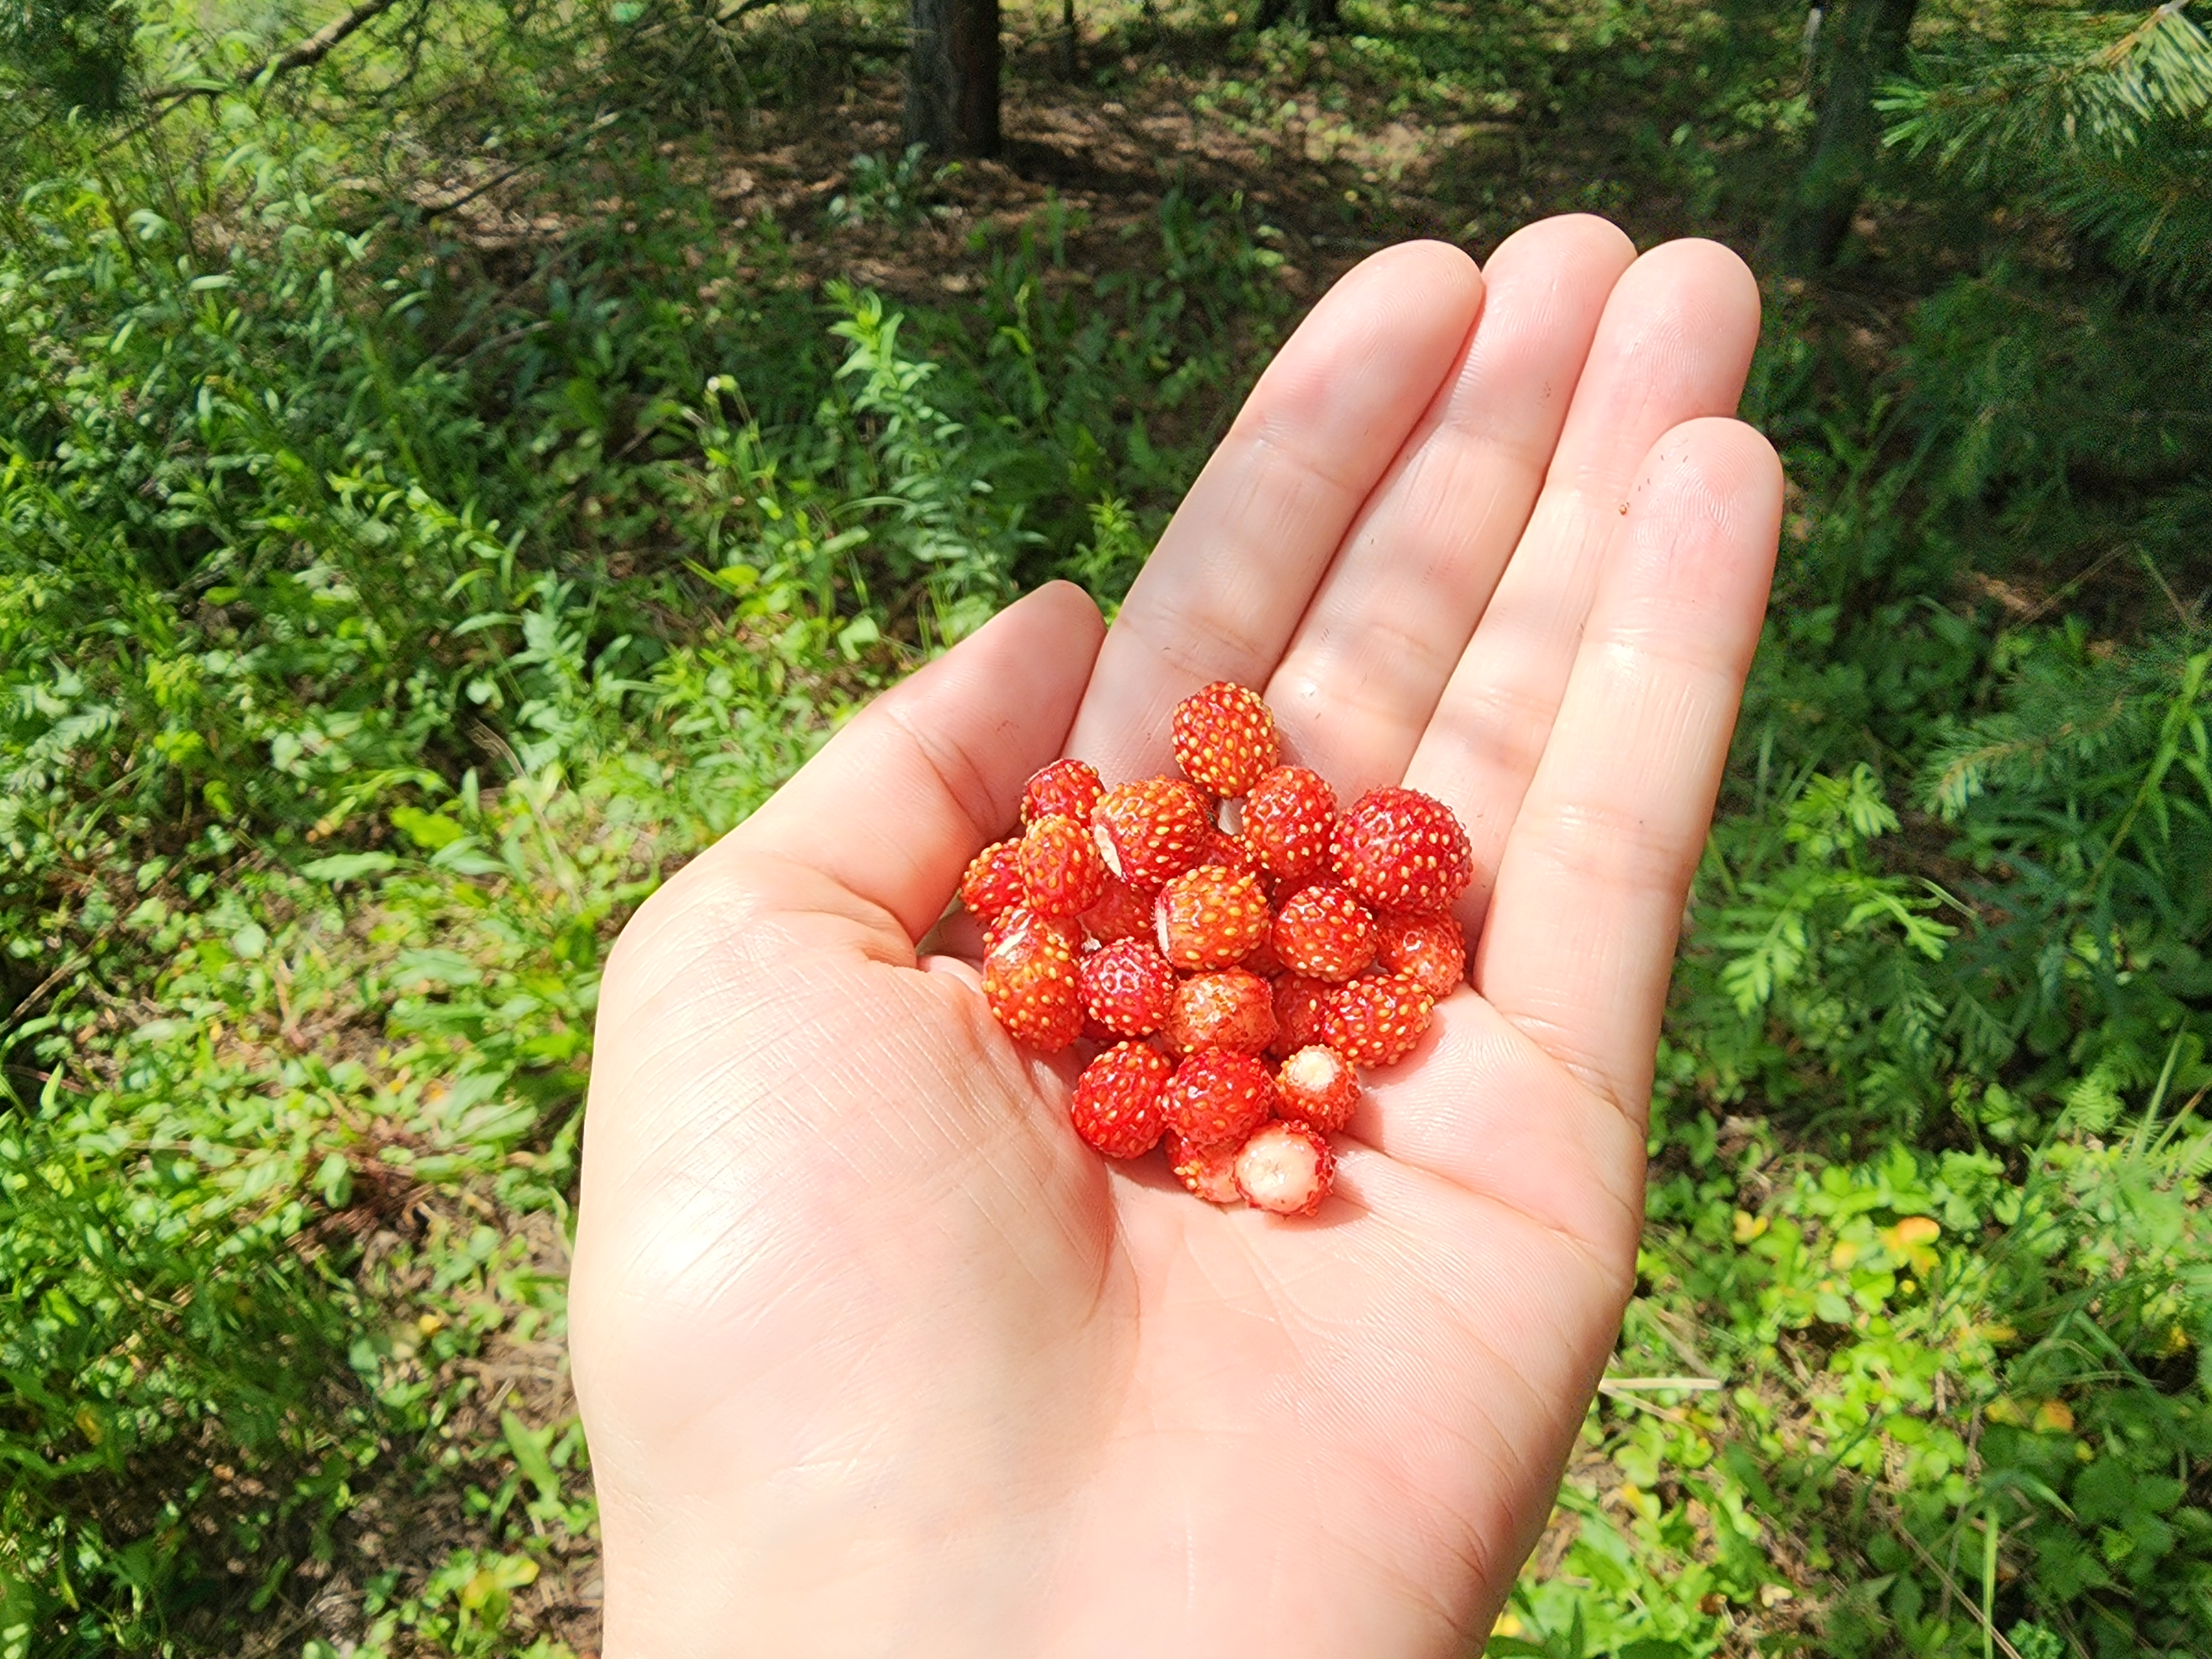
(877, 1359)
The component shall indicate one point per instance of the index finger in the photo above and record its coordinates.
(1224, 591)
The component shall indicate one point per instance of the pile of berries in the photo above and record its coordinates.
(1200, 926)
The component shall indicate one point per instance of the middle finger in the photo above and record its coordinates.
(1374, 648)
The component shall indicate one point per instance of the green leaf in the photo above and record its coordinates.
(342, 868)
(530, 1447)
(428, 830)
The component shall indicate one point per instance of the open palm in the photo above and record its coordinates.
(877, 1358)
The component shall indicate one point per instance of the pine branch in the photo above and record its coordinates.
(2114, 132)
(2059, 89)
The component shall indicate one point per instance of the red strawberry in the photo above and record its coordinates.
(1216, 1096)
(1117, 1100)
(1286, 821)
(1208, 1171)
(1430, 951)
(1061, 871)
(1230, 1009)
(1318, 1088)
(1062, 930)
(1149, 831)
(1031, 982)
(1120, 913)
(1324, 933)
(1262, 959)
(1225, 851)
(1375, 1021)
(1068, 789)
(1210, 917)
(1401, 850)
(1224, 737)
(993, 881)
(1297, 1013)
(1128, 988)
(1285, 1168)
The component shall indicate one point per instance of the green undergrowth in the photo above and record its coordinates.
(390, 600)
(354, 684)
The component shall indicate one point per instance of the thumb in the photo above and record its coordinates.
(897, 803)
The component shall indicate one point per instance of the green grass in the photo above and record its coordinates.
(388, 602)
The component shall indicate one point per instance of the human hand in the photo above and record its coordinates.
(877, 1358)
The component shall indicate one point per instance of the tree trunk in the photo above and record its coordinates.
(1862, 45)
(1318, 16)
(952, 76)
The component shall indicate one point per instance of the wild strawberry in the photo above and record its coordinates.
(1224, 737)
(1318, 1087)
(1210, 917)
(1120, 913)
(1127, 988)
(1068, 789)
(1208, 1171)
(1061, 871)
(1031, 982)
(1117, 1100)
(992, 884)
(1061, 930)
(1285, 1168)
(1401, 850)
(1324, 933)
(1229, 1010)
(1217, 1095)
(1262, 959)
(1286, 821)
(1375, 1021)
(1149, 831)
(1224, 850)
(1430, 951)
(1297, 1013)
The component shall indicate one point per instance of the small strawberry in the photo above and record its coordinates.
(1117, 1100)
(1217, 1095)
(1210, 917)
(1061, 930)
(1120, 913)
(1232, 1009)
(1208, 1171)
(1262, 959)
(1285, 1168)
(1375, 1021)
(1324, 933)
(1031, 982)
(1316, 1087)
(1128, 988)
(1061, 872)
(1149, 831)
(1224, 850)
(1286, 821)
(992, 884)
(1297, 1013)
(1401, 850)
(1069, 788)
(1224, 737)
(1430, 951)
